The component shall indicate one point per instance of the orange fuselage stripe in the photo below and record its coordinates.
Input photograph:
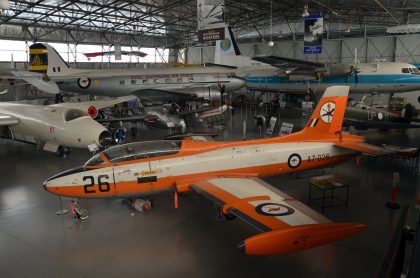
(169, 183)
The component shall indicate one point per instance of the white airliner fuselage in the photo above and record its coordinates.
(50, 73)
(298, 76)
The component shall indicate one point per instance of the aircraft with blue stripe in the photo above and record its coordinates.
(298, 76)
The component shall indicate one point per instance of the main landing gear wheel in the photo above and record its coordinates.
(62, 151)
(137, 204)
(133, 131)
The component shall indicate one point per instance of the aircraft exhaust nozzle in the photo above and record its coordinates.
(105, 138)
(297, 238)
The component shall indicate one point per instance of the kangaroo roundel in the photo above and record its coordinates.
(327, 112)
(294, 160)
(83, 82)
(274, 209)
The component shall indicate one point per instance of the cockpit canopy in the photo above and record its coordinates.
(137, 150)
(412, 70)
(73, 114)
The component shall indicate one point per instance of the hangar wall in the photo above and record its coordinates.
(404, 48)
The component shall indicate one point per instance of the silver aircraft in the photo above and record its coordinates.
(50, 73)
(57, 127)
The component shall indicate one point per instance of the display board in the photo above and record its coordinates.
(211, 20)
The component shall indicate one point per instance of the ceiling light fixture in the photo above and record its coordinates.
(271, 43)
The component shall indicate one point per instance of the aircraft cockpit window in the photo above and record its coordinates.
(141, 150)
(95, 161)
(73, 114)
(415, 70)
(231, 74)
(405, 70)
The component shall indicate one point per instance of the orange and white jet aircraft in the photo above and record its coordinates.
(228, 173)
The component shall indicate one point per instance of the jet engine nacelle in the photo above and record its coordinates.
(337, 70)
(299, 77)
(208, 93)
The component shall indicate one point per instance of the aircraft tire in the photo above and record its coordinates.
(60, 151)
(133, 131)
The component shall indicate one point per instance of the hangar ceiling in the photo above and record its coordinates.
(172, 23)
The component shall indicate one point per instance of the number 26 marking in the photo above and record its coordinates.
(103, 186)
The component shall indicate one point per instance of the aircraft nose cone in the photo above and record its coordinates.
(237, 83)
(52, 180)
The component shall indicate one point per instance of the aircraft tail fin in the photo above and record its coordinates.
(44, 58)
(227, 51)
(328, 115)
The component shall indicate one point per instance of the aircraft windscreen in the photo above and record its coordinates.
(415, 70)
(141, 150)
(73, 114)
(95, 161)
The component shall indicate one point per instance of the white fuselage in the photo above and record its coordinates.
(44, 124)
(373, 77)
(203, 82)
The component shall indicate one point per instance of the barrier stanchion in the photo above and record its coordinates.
(393, 204)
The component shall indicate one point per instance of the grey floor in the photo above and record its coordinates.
(168, 242)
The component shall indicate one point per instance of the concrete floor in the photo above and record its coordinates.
(168, 242)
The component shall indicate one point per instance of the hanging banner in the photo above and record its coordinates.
(117, 49)
(211, 20)
(314, 27)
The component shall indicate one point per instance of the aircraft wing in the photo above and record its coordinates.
(98, 104)
(8, 120)
(283, 62)
(287, 224)
(380, 125)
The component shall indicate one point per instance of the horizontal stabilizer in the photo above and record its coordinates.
(220, 65)
(362, 147)
(281, 62)
(35, 79)
(297, 238)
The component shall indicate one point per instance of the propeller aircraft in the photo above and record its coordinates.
(285, 74)
(50, 73)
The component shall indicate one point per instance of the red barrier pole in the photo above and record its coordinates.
(176, 199)
(393, 204)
